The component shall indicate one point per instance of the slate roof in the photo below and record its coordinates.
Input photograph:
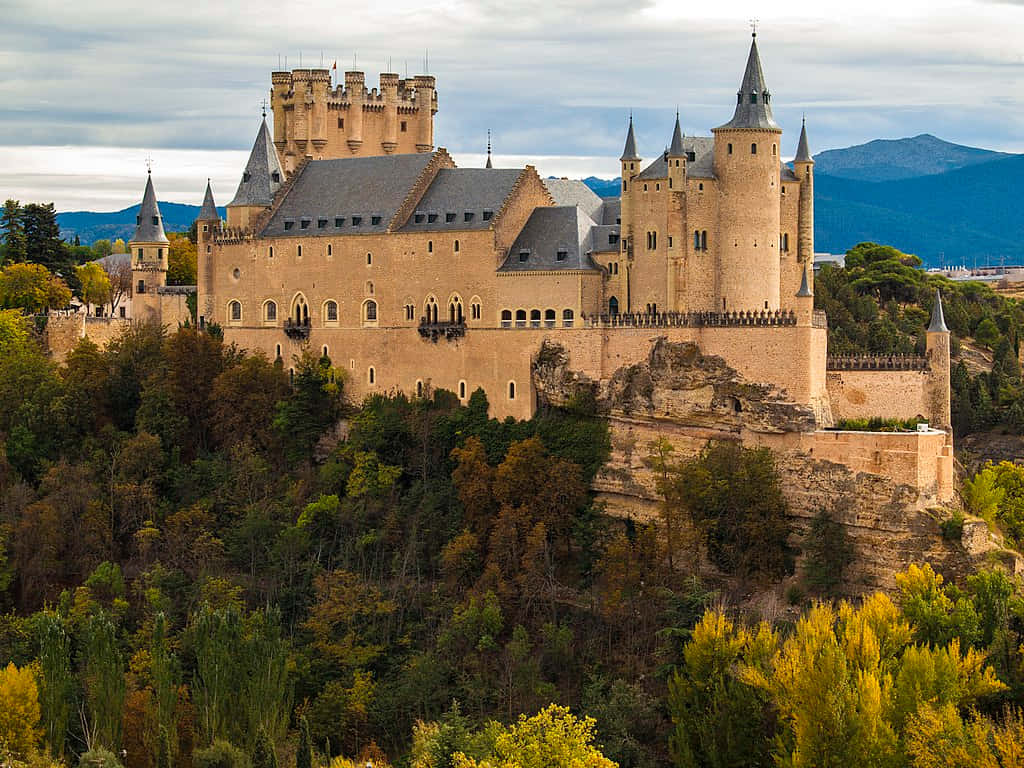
(551, 229)
(364, 192)
(602, 235)
(803, 153)
(573, 192)
(759, 114)
(611, 210)
(258, 186)
(149, 224)
(474, 195)
(209, 210)
(675, 149)
(938, 323)
(629, 151)
(703, 149)
(788, 174)
(656, 170)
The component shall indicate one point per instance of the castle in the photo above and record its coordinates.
(352, 234)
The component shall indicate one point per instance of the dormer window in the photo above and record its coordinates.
(375, 220)
(449, 218)
(321, 223)
(691, 156)
(488, 215)
(156, 220)
(468, 216)
(431, 218)
(562, 254)
(275, 177)
(304, 224)
(288, 224)
(753, 97)
(357, 221)
(339, 221)
(524, 254)
(245, 176)
(419, 218)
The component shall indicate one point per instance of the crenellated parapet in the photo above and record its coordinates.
(877, 363)
(751, 319)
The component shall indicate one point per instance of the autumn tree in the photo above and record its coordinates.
(244, 397)
(119, 274)
(95, 284)
(19, 711)
(181, 259)
(32, 288)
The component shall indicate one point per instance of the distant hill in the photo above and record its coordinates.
(90, 226)
(604, 187)
(894, 159)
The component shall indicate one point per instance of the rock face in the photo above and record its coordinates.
(689, 399)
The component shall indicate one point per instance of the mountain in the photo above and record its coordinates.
(894, 159)
(90, 226)
(604, 187)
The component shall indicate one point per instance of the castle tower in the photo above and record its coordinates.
(208, 220)
(426, 100)
(746, 164)
(389, 89)
(629, 165)
(803, 167)
(355, 89)
(676, 159)
(207, 227)
(148, 250)
(261, 179)
(937, 352)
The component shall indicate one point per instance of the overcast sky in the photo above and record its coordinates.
(90, 88)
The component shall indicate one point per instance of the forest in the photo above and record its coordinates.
(206, 564)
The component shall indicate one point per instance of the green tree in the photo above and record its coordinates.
(95, 284)
(263, 755)
(56, 684)
(304, 752)
(103, 682)
(987, 333)
(31, 287)
(102, 248)
(13, 226)
(313, 406)
(43, 243)
(827, 553)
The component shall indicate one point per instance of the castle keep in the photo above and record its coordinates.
(350, 232)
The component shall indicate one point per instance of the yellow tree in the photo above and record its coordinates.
(95, 283)
(19, 711)
(181, 260)
(31, 288)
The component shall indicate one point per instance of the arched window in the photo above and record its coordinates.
(235, 311)
(371, 375)
(456, 246)
(431, 309)
(462, 390)
(410, 309)
(520, 318)
(370, 311)
(369, 288)
(696, 240)
(300, 310)
(271, 252)
(331, 311)
(419, 389)
(506, 318)
(455, 313)
(613, 306)
(535, 318)
(369, 258)
(270, 312)
(775, 150)
(277, 355)
(703, 239)
(300, 252)
(511, 390)
(475, 308)
(753, 148)
(549, 318)
(330, 249)
(567, 318)
(730, 149)
(325, 352)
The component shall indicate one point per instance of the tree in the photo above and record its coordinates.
(102, 248)
(119, 274)
(263, 755)
(14, 333)
(119, 246)
(55, 679)
(95, 284)
(181, 260)
(553, 738)
(987, 333)
(304, 753)
(313, 406)
(104, 684)
(43, 243)
(13, 225)
(19, 710)
(31, 287)
(244, 397)
(828, 552)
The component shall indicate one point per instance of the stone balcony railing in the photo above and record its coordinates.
(877, 363)
(295, 330)
(758, 318)
(442, 330)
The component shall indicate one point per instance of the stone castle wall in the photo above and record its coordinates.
(865, 394)
(63, 332)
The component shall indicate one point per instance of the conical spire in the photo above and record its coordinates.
(805, 289)
(149, 224)
(803, 154)
(753, 101)
(629, 152)
(488, 149)
(676, 147)
(209, 210)
(938, 323)
(263, 174)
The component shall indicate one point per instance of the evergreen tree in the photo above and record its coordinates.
(56, 684)
(163, 755)
(13, 225)
(304, 754)
(263, 755)
(43, 243)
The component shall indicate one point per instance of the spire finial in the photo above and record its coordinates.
(263, 107)
(488, 149)
(753, 27)
(938, 323)
(149, 164)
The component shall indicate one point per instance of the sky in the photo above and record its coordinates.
(91, 89)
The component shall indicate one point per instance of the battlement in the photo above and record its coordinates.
(877, 363)
(758, 318)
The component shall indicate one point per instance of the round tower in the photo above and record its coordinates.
(148, 249)
(355, 90)
(425, 96)
(629, 164)
(803, 167)
(746, 165)
(937, 352)
(389, 87)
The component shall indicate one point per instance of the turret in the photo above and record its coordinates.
(389, 89)
(676, 157)
(630, 165)
(746, 164)
(425, 108)
(280, 90)
(937, 352)
(148, 249)
(355, 90)
(261, 179)
(805, 297)
(488, 165)
(803, 167)
(208, 220)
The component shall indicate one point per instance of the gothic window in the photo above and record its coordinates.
(331, 311)
(431, 309)
(455, 314)
(506, 318)
(475, 308)
(236, 311)
(567, 318)
(370, 311)
(613, 306)
(300, 310)
(753, 148)
(270, 312)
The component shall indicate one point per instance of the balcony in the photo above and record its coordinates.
(442, 330)
(295, 330)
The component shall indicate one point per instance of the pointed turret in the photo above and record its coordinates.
(805, 288)
(938, 323)
(488, 149)
(629, 151)
(753, 100)
(803, 153)
(209, 210)
(263, 174)
(675, 149)
(149, 225)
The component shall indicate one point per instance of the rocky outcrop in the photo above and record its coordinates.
(688, 398)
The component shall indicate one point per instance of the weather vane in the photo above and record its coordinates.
(149, 164)
(753, 27)
(263, 107)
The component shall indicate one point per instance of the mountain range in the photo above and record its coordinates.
(947, 203)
